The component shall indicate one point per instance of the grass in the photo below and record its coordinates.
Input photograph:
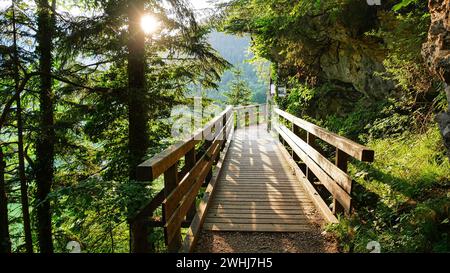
(402, 200)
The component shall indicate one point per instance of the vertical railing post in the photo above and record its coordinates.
(302, 135)
(253, 116)
(139, 231)
(273, 121)
(258, 110)
(311, 140)
(232, 127)
(341, 163)
(190, 161)
(236, 114)
(138, 236)
(247, 117)
(170, 183)
(224, 122)
(208, 145)
(262, 114)
(218, 126)
(282, 139)
(296, 132)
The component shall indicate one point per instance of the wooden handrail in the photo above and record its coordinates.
(158, 164)
(177, 204)
(180, 188)
(346, 145)
(248, 106)
(176, 196)
(333, 177)
(260, 114)
(326, 177)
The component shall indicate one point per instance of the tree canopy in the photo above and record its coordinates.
(88, 91)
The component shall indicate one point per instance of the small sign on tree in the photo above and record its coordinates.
(282, 91)
(272, 89)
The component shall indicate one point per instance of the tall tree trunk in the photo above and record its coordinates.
(46, 139)
(22, 176)
(137, 108)
(5, 242)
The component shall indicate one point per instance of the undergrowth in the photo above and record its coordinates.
(402, 200)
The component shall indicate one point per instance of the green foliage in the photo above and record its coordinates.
(277, 37)
(403, 4)
(239, 92)
(401, 200)
(404, 33)
(235, 50)
(299, 98)
(92, 195)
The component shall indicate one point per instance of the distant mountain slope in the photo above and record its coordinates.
(231, 47)
(235, 50)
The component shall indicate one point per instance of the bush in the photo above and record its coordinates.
(402, 200)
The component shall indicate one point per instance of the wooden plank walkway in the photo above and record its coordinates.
(257, 190)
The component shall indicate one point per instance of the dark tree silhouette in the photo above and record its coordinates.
(46, 138)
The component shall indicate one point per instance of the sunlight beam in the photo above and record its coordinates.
(149, 24)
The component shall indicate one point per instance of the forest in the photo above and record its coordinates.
(88, 88)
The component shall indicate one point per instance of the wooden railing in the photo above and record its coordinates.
(300, 138)
(250, 114)
(181, 186)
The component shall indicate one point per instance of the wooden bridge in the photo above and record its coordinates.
(249, 169)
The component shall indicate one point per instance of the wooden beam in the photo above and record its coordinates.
(190, 162)
(192, 234)
(188, 197)
(138, 234)
(149, 208)
(338, 175)
(314, 195)
(352, 148)
(173, 199)
(170, 184)
(177, 217)
(158, 164)
(341, 163)
(340, 194)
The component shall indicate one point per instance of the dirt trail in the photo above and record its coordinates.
(267, 242)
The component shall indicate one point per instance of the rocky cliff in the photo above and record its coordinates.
(335, 47)
(356, 61)
(436, 52)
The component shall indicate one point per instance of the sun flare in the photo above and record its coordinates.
(149, 24)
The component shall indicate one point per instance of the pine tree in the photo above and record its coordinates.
(153, 83)
(5, 242)
(239, 92)
(88, 95)
(46, 140)
(20, 141)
